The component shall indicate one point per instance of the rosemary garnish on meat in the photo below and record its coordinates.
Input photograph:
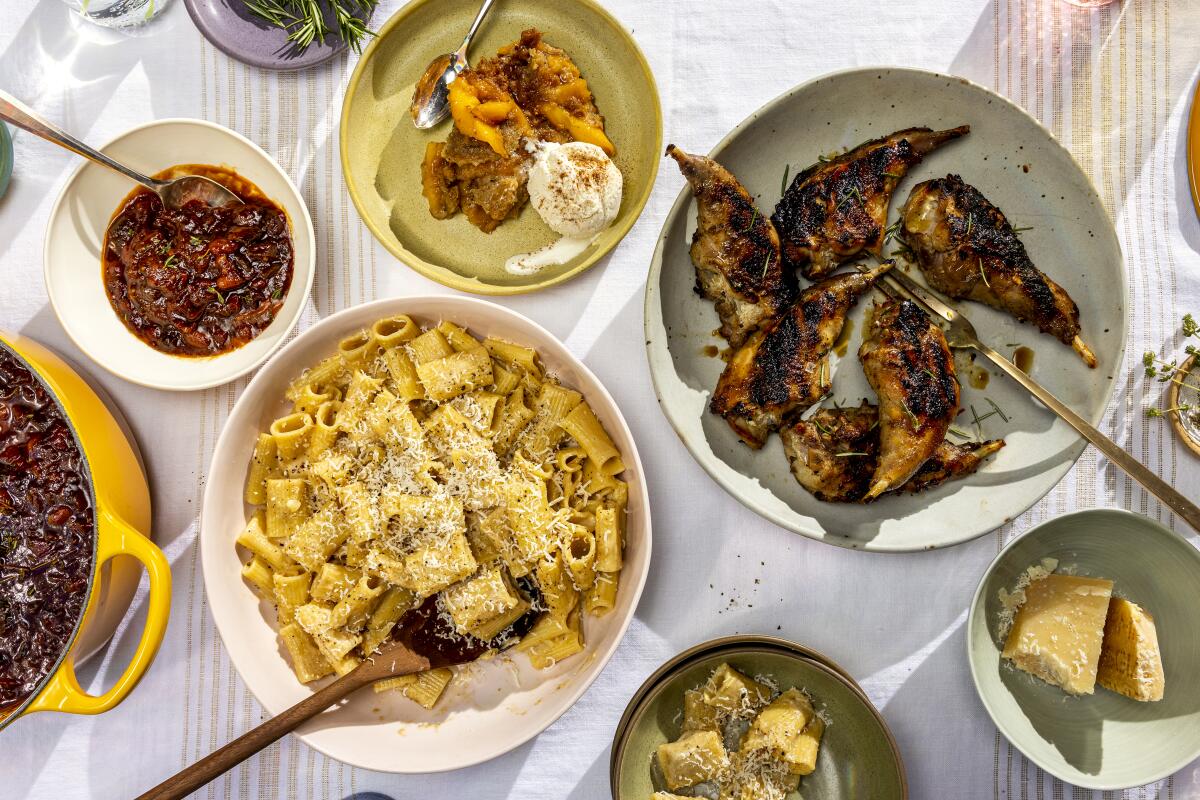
(983, 274)
(783, 184)
(848, 454)
(852, 193)
(891, 231)
(766, 266)
(753, 219)
(916, 422)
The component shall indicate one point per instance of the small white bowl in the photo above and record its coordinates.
(75, 237)
(502, 703)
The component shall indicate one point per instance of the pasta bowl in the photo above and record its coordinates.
(860, 757)
(492, 706)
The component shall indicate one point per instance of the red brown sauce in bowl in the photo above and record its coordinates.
(47, 527)
(198, 281)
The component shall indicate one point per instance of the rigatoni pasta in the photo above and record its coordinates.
(427, 470)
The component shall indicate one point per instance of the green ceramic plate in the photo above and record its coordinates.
(858, 756)
(1101, 741)
(382, 151)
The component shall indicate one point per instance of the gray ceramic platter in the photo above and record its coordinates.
(1021, 168)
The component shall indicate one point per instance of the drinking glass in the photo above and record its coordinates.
(118, 13)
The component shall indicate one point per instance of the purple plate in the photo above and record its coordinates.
(239, 34)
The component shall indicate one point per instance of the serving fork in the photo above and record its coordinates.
(961, 335)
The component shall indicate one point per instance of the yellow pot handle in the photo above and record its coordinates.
(63, 692)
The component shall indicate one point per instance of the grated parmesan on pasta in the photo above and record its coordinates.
(498, 498)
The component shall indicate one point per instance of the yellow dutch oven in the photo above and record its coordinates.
(121, 505)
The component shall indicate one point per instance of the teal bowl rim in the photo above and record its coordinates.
(6, 158)
(973, 667)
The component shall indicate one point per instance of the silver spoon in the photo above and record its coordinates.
(430, 103)
(173, 193)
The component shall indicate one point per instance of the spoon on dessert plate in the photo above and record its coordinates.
(431, 103)
(173, 193)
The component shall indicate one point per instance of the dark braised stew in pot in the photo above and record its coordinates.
(198, 281)
(46, 532)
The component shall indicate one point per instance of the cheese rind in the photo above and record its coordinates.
(1057, 633)
(1130, 662)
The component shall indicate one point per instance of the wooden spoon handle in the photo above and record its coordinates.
(237, 751)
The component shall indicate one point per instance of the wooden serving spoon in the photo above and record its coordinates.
(422, 641)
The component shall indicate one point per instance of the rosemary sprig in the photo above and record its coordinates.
(970, 224)
(305, 20)
(220, 297)
(916, 422)
(766, 266)
(891, 231)
(849, 454)
(983, 274)
(996, 409)
(852, 193)
(170, 262)
(959, 432)
(1021, 228)
(783, 183)
(753, 219)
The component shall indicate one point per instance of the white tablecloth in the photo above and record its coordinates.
(1112, 84)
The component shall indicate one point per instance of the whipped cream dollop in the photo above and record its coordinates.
(575, 187)
(576, 190)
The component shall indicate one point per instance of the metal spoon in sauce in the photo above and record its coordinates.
(173, 193)
(431, 101)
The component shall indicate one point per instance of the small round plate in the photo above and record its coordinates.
(1100, 741)
(1017, 164)
(382, 150)
(858, 756)
(502, 702)
(75, 236)
(237, 33)
(1187, 425)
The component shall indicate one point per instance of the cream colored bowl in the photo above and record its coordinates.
(500, 704)
(75, 237)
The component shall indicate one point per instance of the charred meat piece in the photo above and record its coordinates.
(910, 367)
(784, 368)
(836, 209)
(967, 249)
(834, 454)
(735, 250)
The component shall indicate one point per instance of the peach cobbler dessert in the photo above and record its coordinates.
(506, 111)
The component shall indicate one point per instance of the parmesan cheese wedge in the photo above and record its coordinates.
(1057, 633)
(1130, 663)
